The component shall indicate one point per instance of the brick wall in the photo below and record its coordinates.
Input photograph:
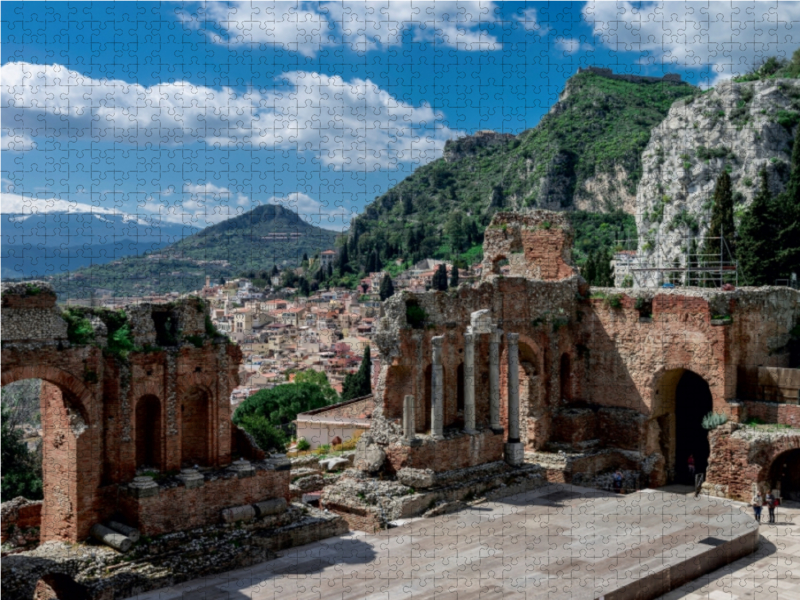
(18, 515)
(179, 508)
(772, 412)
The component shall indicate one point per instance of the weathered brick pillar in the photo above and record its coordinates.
(494, 380)
(469, 381)
(437, 389)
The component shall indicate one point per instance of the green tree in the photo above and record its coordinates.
(590, 268)
(265, 434)
(281, 405)
(454, 276)
(22, 469)
(454, 229)
(359, 384)
(320, 379)
(721, 224)
(439, 279)
(343, 260)
(787, 246)
(692, 263)
(387, 287)
(758, 232)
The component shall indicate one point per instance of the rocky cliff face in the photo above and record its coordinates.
(739, 127)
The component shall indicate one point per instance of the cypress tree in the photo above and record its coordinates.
(344, 261)
(788, 208)
(757, 235)
(590, 269)
(454, 276)
(721, 223)
(387, 287)
(439, 281)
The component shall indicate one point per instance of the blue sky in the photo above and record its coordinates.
(196, 112)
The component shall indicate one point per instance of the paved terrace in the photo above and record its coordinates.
(557, 542)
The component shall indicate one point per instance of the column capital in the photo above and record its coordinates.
(512, 338)
(436, 355)
(496, 335)
(469, 337)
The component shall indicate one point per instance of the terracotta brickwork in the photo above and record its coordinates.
(179, 508)
(166, 406)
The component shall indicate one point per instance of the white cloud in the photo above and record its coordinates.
(529, 19)
(347, 124)
(11, 202)
(336, 218)
(308, 27)
(729, 37)
(570, 45)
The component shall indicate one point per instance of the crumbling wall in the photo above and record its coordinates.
(536, 246)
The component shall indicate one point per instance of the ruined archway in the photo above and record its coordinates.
(148, 432)
(533, 426)
(784, 474)
(59, 586)
(195, 427)
(70, 466)
(682, 399)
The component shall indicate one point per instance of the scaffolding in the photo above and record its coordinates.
(646, 267)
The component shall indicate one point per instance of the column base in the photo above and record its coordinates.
(497, 430)
(411, 443)
(471, 431)
(515, 453)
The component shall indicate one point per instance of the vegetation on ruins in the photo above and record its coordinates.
(714, 419)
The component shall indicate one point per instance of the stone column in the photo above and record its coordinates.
(469, 381)
(514, 450)
(494, 380)
(437, 390)
(409, 423)
(512, 340)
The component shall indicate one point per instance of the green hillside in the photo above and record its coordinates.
(599, 127)
(255, 241)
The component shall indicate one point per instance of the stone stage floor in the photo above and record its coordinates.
(560, 541)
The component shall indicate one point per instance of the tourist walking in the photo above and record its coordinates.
(618, 482)
(758, 503)
(770, 501)
(691, 466)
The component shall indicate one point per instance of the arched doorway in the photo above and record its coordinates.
(692, 403)
(532, 426)
(69, 460)
(784, 474)
(58, 586)
(195, 427)
(148, 432)
(682, 399)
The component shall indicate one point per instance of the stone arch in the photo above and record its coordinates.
(147, 432)
(71, 462)
(783, 473)
(399, 383)
(534, 420)
(59, 586)
(498, 262)
(681, 398)
(196, 426)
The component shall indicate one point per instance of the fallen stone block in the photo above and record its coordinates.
(334, 464)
